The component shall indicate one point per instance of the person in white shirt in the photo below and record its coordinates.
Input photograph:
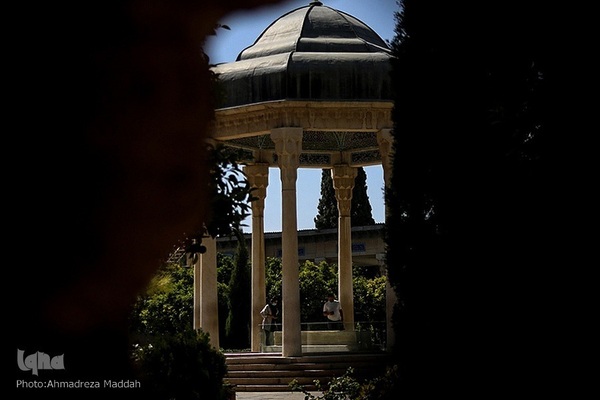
(269, 314)
(332, 309)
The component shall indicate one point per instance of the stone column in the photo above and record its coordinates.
(385, 141)
(206, 305)
(343, 182)
(258, 177)
(288, 146)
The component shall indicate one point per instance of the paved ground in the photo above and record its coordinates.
(272, 395)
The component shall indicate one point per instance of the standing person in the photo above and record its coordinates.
(269, 314)
(276, 325)
(332, 309)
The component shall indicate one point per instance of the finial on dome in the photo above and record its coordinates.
(315, 3)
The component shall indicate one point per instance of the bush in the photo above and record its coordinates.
(347, 387)
(172, 361)
(180, 366)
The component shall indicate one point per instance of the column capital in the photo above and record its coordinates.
(258, 174)
(288, 146)
(258, 177)
(343, 177)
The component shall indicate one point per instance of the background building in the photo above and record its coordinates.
(368, 247)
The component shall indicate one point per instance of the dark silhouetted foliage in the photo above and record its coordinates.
(479, 194)
(361, 211)
(327, 215)
(237, 327)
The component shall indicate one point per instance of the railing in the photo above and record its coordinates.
(320, 337)
(176, 255)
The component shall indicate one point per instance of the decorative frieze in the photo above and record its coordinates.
(261, 118)
(361, 158)
(315, 159)
(338, 140)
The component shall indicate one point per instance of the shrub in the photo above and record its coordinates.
(180, 366)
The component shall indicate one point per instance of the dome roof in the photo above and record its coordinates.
(311, 53)
(315, 28)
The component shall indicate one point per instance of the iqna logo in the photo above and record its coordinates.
(39, 360)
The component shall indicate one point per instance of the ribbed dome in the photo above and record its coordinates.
(311, 53)
(315, 29)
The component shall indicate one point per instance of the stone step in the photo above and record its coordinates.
(284, 380)
(254, 372)
(287, 373)
(259, 358)
(270, 388)
(297, 366)
(317, 348)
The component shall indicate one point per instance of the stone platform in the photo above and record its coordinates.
(320, 341)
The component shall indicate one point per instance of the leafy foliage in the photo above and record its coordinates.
(348, 386)
(167, 306)
(173, 361)
(181, 366)
(225, 267)
(230, 198)
(369, 298)
(231, 192)
(273, 277)
(316, 280)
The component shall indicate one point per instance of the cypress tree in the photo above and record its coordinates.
(361, 211)
(237, 326)
(327, 216)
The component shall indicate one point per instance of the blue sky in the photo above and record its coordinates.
(246, 26)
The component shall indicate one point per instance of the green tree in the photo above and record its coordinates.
(237, 329)
(180, 366)
(316, 280)
(273, 277)
(167, 305)
(327, 212)
(361, 211)
(223, 310)
(473, 197)
(225, 267)
(173, 360)
(369, 298)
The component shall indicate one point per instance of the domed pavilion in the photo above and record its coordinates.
(313, 91)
